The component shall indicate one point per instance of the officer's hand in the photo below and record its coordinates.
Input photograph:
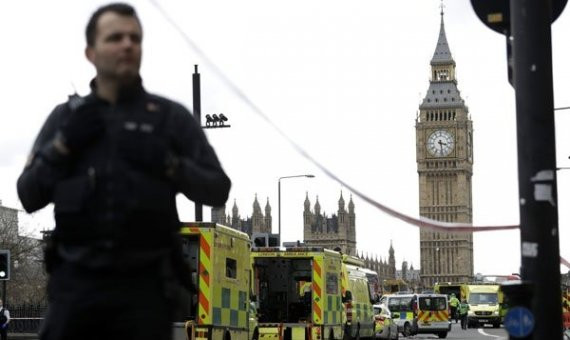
(147, 152)
(83, 126)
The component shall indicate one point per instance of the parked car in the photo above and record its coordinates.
(384, 326)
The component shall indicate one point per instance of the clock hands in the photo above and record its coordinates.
(441, 144)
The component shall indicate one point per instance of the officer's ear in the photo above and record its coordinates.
(90, 54)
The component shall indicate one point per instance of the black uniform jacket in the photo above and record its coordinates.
(99, 195)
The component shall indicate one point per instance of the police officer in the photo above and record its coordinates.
(463, 310)
(454, 304)
(112, 163)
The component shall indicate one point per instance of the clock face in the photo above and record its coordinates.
(440, 143)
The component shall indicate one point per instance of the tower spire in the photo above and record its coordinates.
(442, 54)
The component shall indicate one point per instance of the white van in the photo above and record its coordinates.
(419, 313)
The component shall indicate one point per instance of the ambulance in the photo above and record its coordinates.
(219, 261)
(484, 304)
(359, 289)
(485, 299)
(297, 291)
(393, 286)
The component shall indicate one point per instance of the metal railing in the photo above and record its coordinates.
(26, 318)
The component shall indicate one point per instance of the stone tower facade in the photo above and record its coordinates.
(444, 154)
(257, 223)
(337, 231)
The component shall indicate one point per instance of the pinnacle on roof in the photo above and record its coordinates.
(256, 206)
(442, 54)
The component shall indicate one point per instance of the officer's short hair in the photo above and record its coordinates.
(116, 7)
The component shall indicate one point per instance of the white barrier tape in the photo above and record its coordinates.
(564, 262)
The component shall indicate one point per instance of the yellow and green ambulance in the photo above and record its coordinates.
(297, 292)
(219, 261)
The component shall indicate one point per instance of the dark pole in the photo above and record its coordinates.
(4, 293)
(279, 209)
(532, 51)
(197, 110)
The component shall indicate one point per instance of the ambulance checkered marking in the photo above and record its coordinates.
(226, 294)
(333, 310)
(242, 301)
(230, 308)
(217, 316)
(234, 318)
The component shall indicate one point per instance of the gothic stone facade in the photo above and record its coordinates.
(257, 223)
(339, 232)
(335, 232)
(384, 269)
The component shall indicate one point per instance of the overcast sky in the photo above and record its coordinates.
(342, 79)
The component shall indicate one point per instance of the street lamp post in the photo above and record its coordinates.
(279, 200)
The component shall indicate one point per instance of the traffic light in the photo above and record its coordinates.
(497, 16)
(4, 265)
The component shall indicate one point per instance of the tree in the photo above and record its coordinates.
(28, 279)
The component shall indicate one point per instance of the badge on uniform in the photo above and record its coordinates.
(152, 107)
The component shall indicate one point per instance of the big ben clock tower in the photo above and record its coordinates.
(444, 139)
